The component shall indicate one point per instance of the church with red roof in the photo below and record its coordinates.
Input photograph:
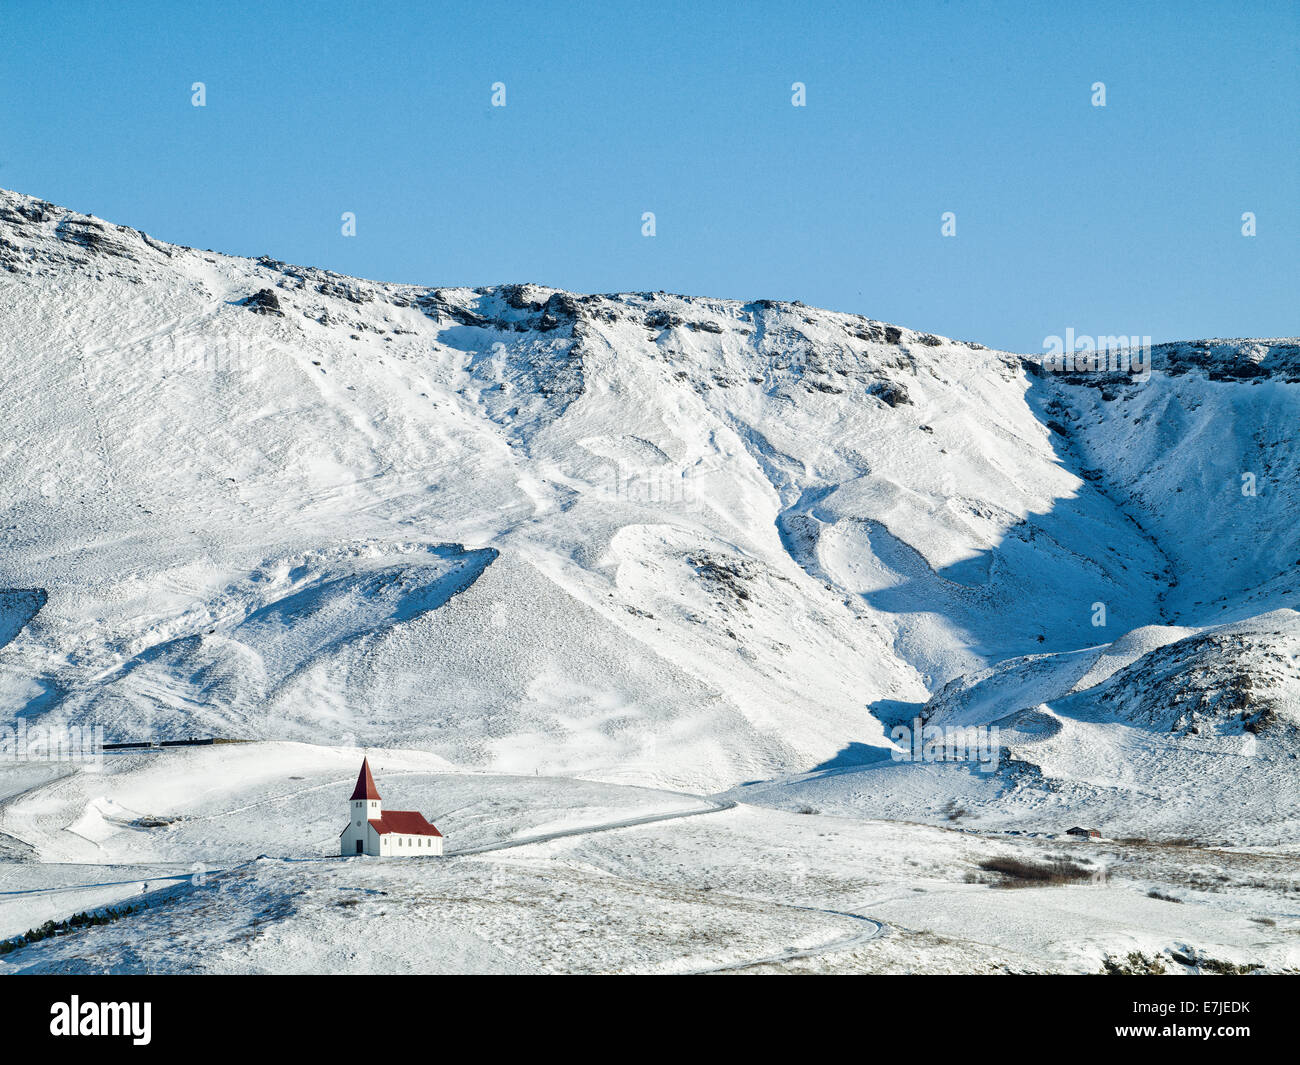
(391, 833)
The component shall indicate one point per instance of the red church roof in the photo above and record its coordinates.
(365, 788)
(404, 823)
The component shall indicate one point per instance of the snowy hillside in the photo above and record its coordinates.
(644, 538)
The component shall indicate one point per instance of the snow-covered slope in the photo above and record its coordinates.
(641, 537)
(1204, 455)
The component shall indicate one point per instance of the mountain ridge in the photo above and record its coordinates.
(730, 539)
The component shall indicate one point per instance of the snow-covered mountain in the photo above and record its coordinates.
(642, 537)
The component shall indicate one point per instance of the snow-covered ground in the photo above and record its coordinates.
(193, 836)
(559, 561)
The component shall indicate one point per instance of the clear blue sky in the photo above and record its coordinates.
(1115, 220)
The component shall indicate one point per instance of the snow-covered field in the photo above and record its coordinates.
(193, 835)
(559, 562)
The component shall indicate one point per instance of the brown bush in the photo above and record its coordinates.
(1020, 873)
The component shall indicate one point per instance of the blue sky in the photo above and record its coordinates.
(1117, 220)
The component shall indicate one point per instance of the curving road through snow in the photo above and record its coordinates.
(713, 806)
(876, 930)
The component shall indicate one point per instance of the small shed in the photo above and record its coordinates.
(1090, 833)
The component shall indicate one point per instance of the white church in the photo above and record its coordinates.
(401, 833)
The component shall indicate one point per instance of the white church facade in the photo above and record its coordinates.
(395, 833)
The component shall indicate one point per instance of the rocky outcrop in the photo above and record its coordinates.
(264, 301)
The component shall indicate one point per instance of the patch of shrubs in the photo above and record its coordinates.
(58, 928)
(1135, 964)
(1020, 873)
(1214, 965)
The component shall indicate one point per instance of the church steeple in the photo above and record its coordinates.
(364, 805)
(365, 788)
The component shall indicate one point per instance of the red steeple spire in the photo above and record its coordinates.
(365, 788)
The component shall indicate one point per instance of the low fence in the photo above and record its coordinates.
(154, 745)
